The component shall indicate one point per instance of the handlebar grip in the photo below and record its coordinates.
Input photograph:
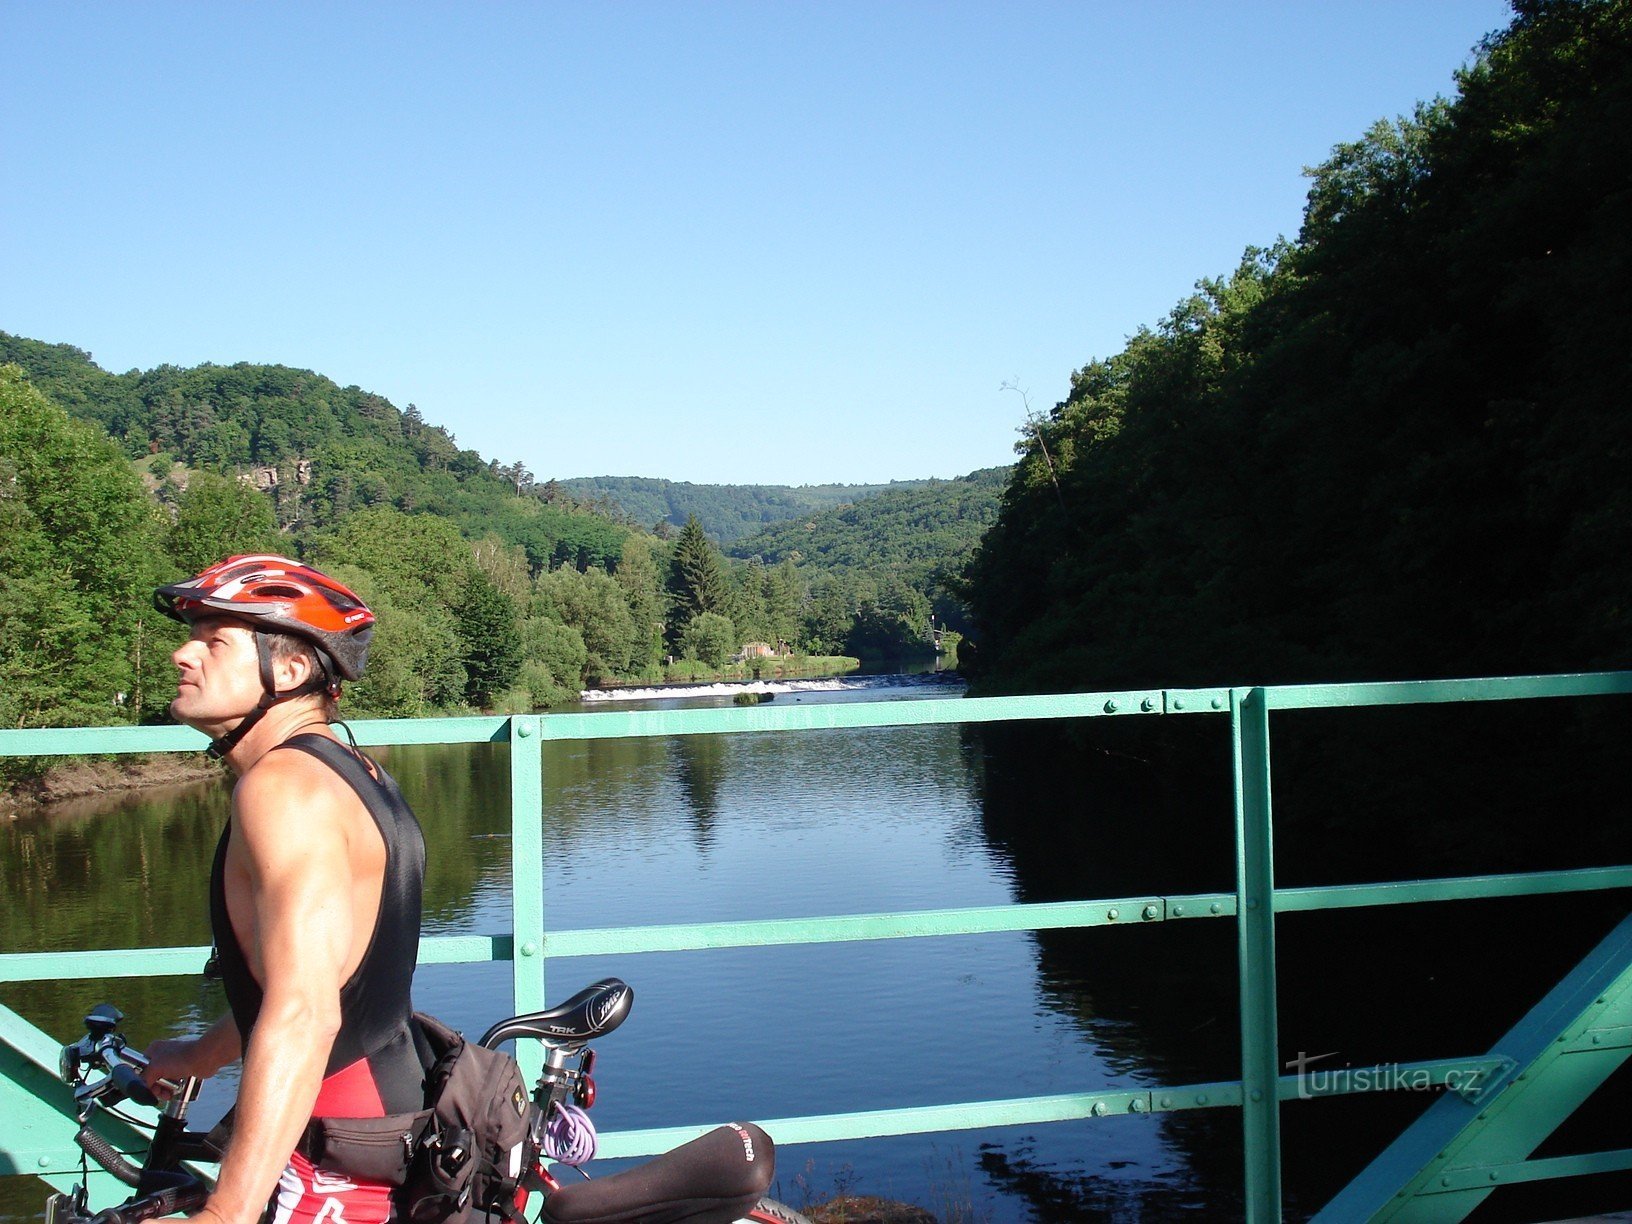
(169, 1202)
(129, 1082)
(106, 1155)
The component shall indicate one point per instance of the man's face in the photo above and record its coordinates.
(220, 674)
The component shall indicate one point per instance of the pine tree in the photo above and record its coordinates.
(697, 581)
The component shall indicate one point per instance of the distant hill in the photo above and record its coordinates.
(921, 535)
(319, 449)
(727, 512)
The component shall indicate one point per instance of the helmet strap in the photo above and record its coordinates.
(270, 697)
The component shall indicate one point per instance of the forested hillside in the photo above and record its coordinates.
(915, 539)
(321, 450)
(1396, 447)
(492, 590)
(727, 513)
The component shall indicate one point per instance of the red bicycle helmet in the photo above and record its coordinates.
(279, 595)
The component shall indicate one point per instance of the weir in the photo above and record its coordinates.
(1498, 1106)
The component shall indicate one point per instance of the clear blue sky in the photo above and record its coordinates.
(750, 243)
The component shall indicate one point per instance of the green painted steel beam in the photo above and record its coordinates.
(1424, 1173)
(592, 941)
(1255, 952)
(982, 1115)
(1456, 888)
(1484, 1177)
(837, 715)
(1421, 692)
(877, 1123)
(38, 1107)
(527, 878)
(691, 936)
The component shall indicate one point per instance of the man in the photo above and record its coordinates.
(315, 892)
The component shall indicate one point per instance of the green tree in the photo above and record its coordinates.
(593, 603)
(642, 584)
(697, 581)
(556, 660)
(709, 638)
(217, 517)
(489, 638)
(79, 641)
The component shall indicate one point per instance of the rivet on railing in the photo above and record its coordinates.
(1148, 704)
(1110, 706)
(524, 727)
(529, 948)
(1257, 1095)
(1215, 908)
(1201, 1098)
(44, 1162)
(1136, 1105)
(1113, 914)
(1218, 703)
(1178, 911)
(1167, 1102)
(1152, 912)
(1178, 703)
(1100, 1109)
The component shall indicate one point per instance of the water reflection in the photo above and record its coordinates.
(761, 826)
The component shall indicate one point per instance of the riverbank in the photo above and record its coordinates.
(77, 778)
(781, 667)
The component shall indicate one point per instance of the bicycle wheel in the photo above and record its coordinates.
(769, 1211)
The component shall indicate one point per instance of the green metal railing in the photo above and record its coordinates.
(1600, 993)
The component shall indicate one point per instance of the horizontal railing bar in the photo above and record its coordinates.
(115, 741)
(1418, 692)
(187, 961)
(878, 1123)
(840, 715)
(1483, 1177)
(622, 724)
(1018, 1111)
(1454, 888)
(694, 936)
(101, 963)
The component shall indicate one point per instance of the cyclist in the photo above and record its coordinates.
(314, 894)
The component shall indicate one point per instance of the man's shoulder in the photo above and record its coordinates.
(286, 779)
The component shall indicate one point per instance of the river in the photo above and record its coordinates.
(763, 826)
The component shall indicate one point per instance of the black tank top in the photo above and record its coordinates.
(375, 1004)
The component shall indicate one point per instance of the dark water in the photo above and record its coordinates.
(830, 822)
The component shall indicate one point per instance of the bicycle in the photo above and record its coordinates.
(717, 1178)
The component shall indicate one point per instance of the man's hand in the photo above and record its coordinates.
(173, 1059)
(176, 1058)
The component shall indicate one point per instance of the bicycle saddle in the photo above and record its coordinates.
(593, 1012)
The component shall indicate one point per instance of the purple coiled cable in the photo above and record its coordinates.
(569, 1135)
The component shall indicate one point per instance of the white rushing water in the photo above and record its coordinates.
(831, 684)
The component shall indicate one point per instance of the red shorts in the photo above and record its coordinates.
(310, 1195)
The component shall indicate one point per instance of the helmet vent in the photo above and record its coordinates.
(273, 590)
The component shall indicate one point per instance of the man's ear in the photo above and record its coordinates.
(292, 672)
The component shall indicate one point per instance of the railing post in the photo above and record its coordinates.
(527, 876)
(1255, 944)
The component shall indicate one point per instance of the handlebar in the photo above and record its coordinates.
(70, 1209)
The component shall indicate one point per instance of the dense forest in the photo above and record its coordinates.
(1395, 447)
(727, 512)
(493, 589)
(906, 545)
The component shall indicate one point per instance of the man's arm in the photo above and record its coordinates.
(290, 825)
(203, 1056)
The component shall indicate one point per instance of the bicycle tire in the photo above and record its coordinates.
(769, 1211)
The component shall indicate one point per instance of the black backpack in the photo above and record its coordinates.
(482, 1137)
(465, 1153)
